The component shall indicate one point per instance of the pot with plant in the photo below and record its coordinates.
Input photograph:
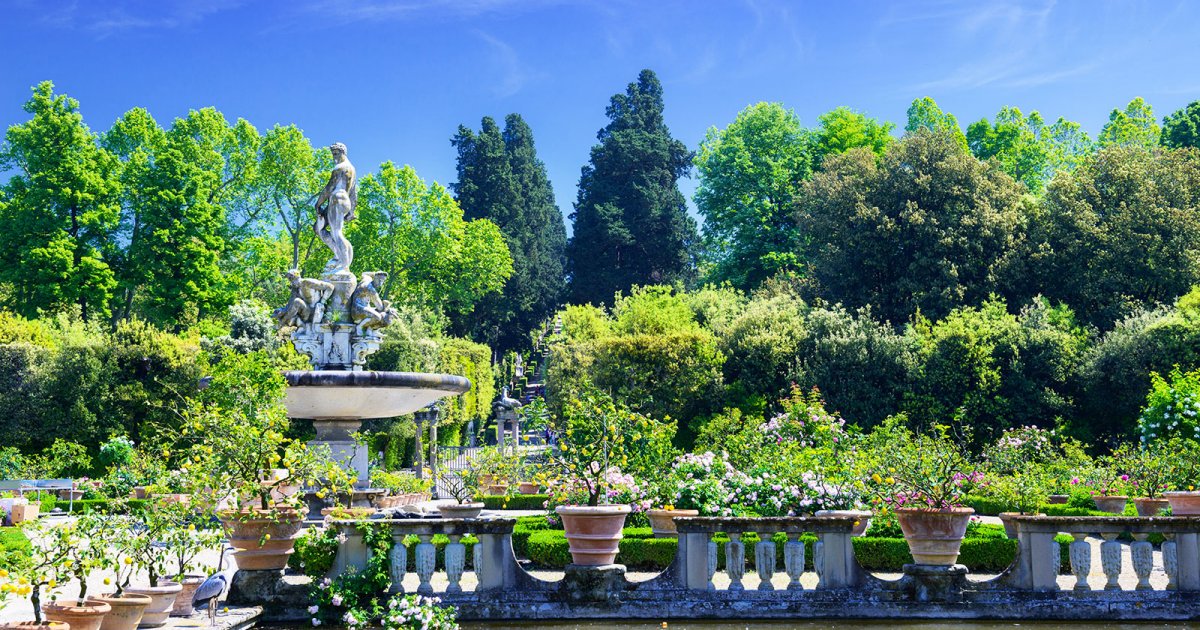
(1025, 492)
(86, 548)
(925, 484)
(463, 487)
(1184, 476)
(1149, 475)
(128, 608)
(1107, 485)
(238, 428)
(143, 552)
(694, 486)
(591, 494)
(31, 577)
(183, 546)
(403, 487)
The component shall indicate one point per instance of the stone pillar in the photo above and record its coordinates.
(419, 450)
(1187, 551)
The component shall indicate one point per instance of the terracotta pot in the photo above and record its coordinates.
(860, 525)
(461, 510)
(86, 617)
(33, 625)
(593, 532)
(183, 603)
(934, 536)
(139, 492)
(1112, 505)
(248, 534)
(527, 487)
(70, 495)
(496, 489)
(1150, 507)
(1058, 499)
(162, 599)
(662, 522)
(126, 611)
(1184, 503)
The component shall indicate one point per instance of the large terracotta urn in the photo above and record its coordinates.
(183, 602)
(1150, 507)
(126, 611)
(460, 510)
(89, 616)
(162, 599)
(593, 532)
(1112, 505)
(662, 522)
(1184, 503)
(934, 536)
(262, 540)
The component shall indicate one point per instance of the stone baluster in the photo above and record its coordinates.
(1170, 555)
(456, 559)
(735, 561)
(819, 558)
(398, 557)
(1110, 560)
(793, 561)
(711, 562)
(1142, 553)
(764, 561)
(426, 557)
(1081, 561)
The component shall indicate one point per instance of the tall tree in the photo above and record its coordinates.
(631, 221)
(924, 113)
(1132, 127)
(749, 173)
(135, 139)
(926, 228)
(843, 129)
(291, 174)
(416, 233)
(1120, 233)
(1026, 147)
(60, 210)
(1182, 128)
(500, 178)
(201, 171)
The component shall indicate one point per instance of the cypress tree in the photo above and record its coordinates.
(631, 221)
(500, 178)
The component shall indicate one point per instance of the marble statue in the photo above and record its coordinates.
(306, 306)
(367, 310)
(334, 207)
(336, 320)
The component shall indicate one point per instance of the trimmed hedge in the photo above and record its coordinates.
(14, 546)
(102, 506)
(525, 526)
(515, 502)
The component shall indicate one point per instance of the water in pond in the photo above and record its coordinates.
(845, 624)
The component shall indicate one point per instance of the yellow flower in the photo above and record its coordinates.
(876, 478)
(890, 480)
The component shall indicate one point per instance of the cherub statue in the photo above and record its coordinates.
(307, 303)
(367, 310)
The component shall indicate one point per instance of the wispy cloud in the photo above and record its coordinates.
(511, 74)
(377, 10)
(108, 18)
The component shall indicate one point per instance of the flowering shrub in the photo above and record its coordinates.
(619, 489)
(804, 422)
(1103, 479)
(414, 612)
(356, 599)
(700, 482)
(1172, 407)
(1019, 447)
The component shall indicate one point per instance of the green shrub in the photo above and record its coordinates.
(14, 547)
(515, 502)
(525, 526)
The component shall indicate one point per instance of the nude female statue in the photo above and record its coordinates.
(335, 206)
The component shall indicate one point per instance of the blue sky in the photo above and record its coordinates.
(393, 78)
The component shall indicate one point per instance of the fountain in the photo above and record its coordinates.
(337, 321)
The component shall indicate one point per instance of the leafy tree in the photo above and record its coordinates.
(1182, 128)
(60, 210)
(926, 228)
(631, 221)
(291, 174)
(1027, 148)
(749, 174)
(1121, 231)
(416, 233)
(1132, 127)
(924, 113)
(843, 129)
(501, 179)
(984, 370)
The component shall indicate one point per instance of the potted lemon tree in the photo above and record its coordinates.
(35, 576)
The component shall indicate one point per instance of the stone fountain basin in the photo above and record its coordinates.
(365, 395)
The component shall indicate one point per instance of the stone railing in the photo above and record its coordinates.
(833, 553)
(482, 577)
(1037, 566)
